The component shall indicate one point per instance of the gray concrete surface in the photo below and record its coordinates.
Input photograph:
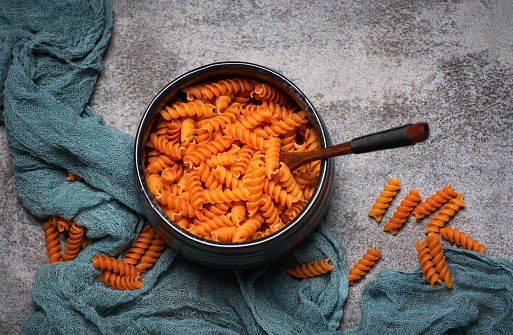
(366, 66)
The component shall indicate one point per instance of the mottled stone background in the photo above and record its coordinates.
(366, 66)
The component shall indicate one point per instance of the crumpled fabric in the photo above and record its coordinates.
(50, 59)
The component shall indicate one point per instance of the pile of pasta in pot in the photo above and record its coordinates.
(212, 160)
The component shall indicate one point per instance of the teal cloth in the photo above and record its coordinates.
(49, 61)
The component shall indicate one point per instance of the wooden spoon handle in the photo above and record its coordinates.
(392, 138)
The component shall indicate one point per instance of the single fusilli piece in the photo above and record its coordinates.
(195, 189)
(160, 163)
(221, 120)
(190, 108)
(433, 202)
(76, 234)
(187, 131)
(272, 157)
(246, 136)
(311, 269)
(115, 265)
(223, 234)
(426, 264)
(161, 143)
(265, 92)
(206, 227)
(242, 161)
(73, 177)
(269, 211)
(62, 223)
(364, 264)
(140, 246)
(173, 130)
(151, 255)
(119, 282)
(402, 211)
(384, 199)
(436, 251)
(253, 181)
(227, 195)
(248, 228)
(205, 151)
(52, 242)
(234, 85)
(461, 239)
(444, 214)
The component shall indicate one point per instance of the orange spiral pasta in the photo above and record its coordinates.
(223, 234)
(176, 204)
(269, 211)
(311, 269)
(162, 144)
(73, 177)
(221, 159)
(76, 234)
(433, 202)
(227, 178)
(364, 264)
(187, 130)
(461, 239)
(242, 161)
(140, 246)
(223, 101)
(252, 180)
(247, 229)
(62, 223)
(444, 214)
(238, 212)
(246, 136)
(191, 108)
(234, 85)
(193, 92)
(220, 121)
(275, 189)
(265, 92)
(287, 181)
(254, 116)
(203, 152)
(160, 163)
(220, 176)
(151, 255)
(173, 130)
(206, 227)
(426, 264)
(272, 157)
(402, 211)
(115, 265)
(52, 242)
(435, 246)
(384, 199)
(119, 282)
(171, 174)
(195, 189)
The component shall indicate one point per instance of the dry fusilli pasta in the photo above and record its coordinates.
(402, 211)
(444, 214)
(433, 202)
(364, 264)
(461, 239)
(384, 199)
(311, 269)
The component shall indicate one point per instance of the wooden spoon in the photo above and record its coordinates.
(392, 138)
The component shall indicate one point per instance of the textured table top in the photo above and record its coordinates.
(366, 66)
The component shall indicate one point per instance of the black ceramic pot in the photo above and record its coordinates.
(244, 254)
